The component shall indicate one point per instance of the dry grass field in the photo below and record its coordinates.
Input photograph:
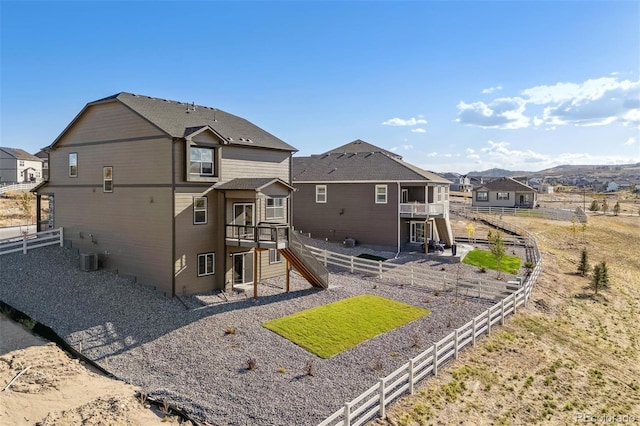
(567, 356)
(12, 211)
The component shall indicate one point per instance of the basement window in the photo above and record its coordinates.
(206, 264)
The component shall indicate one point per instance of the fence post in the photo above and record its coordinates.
(411, 274)
(515, 302)
(24, 244)
(325, 258)
(411, 367)
(352, 264)
(455, 345)
(435, 359)
(61, 237)
(502, 320)
(488, 321)
(347, 414)
(379, 268)
(383, 413)
(473, 339)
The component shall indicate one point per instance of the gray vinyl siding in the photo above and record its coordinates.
(131, 229)
(270, 270)
(192, 240)
(350, 211)
(8, 168)
(242, 162)
(132, 226)
(493, 200)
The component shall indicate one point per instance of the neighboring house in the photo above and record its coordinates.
(504, 192)
(612, 186)
(459, 183)
(541, 187)
(182, 197)
(45, 163)
(366, 193)
(18, 166)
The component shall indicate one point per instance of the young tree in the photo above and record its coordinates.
(583, 266)
(574, 226)
(496, 245)
(605, 206)
(594, 207)
(25, 202)
(616, 208)
(471, 232)
(600, 276)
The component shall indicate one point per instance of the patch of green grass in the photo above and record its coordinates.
(483, 258)
(371, 257)
(330, 329)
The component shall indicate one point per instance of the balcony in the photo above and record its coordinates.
(264, 235)
(420, 210)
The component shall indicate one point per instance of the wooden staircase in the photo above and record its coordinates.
(305, 262)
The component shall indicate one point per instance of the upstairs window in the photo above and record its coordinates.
(482, 196)
(502, 196)
(321, 193)
(199, 210)
(275, 208)
(201, 161)
(107, 179)
(73, 164)
(381, 194)
(439, 193)
(21, 163)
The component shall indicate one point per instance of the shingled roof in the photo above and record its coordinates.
(373, 164)
(19, 154)
(506, 184)
(180, 119)
(361, 146)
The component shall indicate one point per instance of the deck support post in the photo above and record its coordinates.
(256, 253)
(288, 266)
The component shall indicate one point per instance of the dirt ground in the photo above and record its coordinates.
(58, 390)
(569, 356)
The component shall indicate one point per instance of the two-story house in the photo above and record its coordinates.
(459, 183)
(363, 192)
(182, 197)
(504, 192)
(18, 166)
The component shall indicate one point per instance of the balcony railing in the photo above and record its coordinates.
(267, 235)
(421, 209)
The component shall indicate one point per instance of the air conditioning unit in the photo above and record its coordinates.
(349, 242)
(88, 262)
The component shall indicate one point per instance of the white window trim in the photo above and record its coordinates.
(318, 187)
(277, 259)
(76, 164)
(500, 197)
(105, 180)
(385, 194)
(202, 209)
(270, 211)
(213, 264)
(483, 199)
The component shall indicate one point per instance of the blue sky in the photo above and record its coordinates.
(450, 86)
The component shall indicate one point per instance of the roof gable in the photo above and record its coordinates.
(19, 154)
(506, 184)
(360, 146)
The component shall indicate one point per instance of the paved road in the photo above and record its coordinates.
(16, 231)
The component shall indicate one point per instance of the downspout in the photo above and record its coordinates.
(398, 198)
(173, 216)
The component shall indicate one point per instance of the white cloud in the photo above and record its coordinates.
(630, 142)
(502, 113)
(432, 154)
(594, 102)
(405, 147)
(418, 130)
(491, 90)
(402, 122)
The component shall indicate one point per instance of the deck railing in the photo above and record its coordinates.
(270, 232)
(422, 209)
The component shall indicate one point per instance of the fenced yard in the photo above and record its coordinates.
(546, 213)
(374, 401)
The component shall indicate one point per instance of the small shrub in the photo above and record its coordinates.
(483, 269)
(583, 266)
(377, 365)
(164, 408)
(528, 264)
(281, 370)
(436, 293)
(310, 368)
(416, 341)
(230, 330)
(252, 364)
(142, 398)
(28, 323)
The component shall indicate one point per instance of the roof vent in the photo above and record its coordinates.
(230, 138)
(331, 171)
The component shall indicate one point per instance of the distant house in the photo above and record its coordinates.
(182, 197)
(459, 183)
(504, 192)
(363, 192)
(44, 156)
(612, 186)
(18, 166)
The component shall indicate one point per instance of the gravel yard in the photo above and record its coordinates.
(185, 355)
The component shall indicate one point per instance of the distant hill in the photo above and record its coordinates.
(565, 170)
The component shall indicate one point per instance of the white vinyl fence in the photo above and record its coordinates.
(411, 275)
(27, 242)
(374, 401)
(546, 213)
(19, 187)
